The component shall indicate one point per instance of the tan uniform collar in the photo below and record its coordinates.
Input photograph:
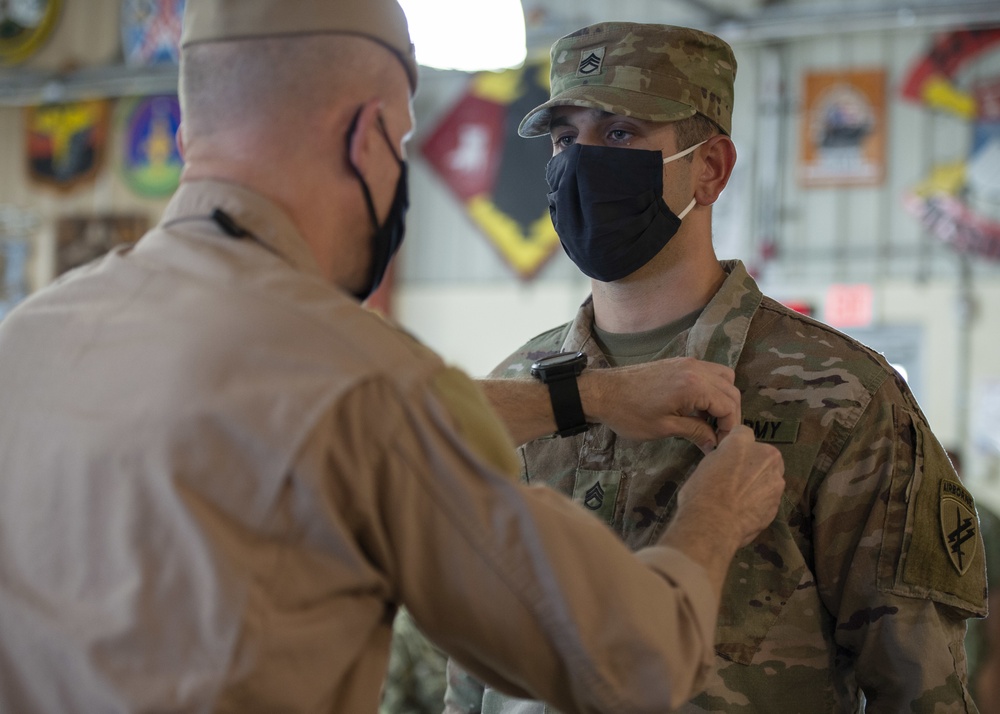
(266, 223)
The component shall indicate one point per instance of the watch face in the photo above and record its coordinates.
(561, 365)
(559, 360)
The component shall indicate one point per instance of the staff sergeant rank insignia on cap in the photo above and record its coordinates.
(958, 525)
(591, 62)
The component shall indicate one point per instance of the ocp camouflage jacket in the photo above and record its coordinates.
(863, 581)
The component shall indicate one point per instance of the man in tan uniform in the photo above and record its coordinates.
(220, 476)
(855, 597)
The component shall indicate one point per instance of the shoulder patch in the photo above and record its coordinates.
(944, 559)
(959, 525)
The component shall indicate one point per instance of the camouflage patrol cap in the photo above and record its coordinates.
(653, 72)
(381, 21)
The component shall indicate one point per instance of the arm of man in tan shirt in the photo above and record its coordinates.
(670, 397)
(535, 596)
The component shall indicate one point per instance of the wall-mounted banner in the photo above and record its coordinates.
(24, 28)
(959, 201)
(66, 142)
(498, 176)
(151, 162)
(81, 239)
(842, 142)
(151, 31)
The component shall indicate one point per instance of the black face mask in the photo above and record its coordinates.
(387, 237)
(607, 206)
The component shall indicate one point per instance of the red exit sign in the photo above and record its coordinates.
(849, 305)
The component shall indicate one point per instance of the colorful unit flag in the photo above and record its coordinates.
(151, 161)
(957, 201)
(151, 31)
(24, 27)
(498, 176)
(66, 142)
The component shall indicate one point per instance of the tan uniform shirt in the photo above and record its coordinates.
(219, 476)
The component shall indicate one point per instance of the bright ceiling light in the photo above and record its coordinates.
(468, 35)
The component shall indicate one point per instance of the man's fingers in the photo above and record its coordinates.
(669, 397)
(739, 433)
(695, 430)
(727, 411)
(723, 402)
(713, 368)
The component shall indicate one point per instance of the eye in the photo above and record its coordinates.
(563, 141)
(620, 136)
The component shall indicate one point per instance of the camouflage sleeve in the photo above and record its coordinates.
(899, 560)
(464, 694)
(517, 365)
(415, 681)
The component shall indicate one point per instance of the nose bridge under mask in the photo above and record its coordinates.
(604, 168)
(607, 207)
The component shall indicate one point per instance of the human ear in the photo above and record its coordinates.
(179, 139)
(363, 133)
(717, 159)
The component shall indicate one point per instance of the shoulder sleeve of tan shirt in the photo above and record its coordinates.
(522, 587)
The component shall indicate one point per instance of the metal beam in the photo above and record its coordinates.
(790, 22)
(23, 87)
(773, 23)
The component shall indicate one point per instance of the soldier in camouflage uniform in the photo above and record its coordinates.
(855, 598)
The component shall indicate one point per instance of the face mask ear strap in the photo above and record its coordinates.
(364, 184)
(683, 153)
(388, 140)
(680, 216)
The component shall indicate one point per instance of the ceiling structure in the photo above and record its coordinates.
(737, 21)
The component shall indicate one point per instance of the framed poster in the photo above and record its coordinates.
(81, 239)
(17, 228)
(842, 142)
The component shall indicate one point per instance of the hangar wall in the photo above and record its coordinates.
(935, 308)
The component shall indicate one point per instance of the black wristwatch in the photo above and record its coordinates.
(559, 372)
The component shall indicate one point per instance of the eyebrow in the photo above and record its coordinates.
(556, 122)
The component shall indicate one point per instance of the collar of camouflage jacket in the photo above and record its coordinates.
(717, 336)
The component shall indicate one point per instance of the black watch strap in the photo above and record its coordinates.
(567, 407)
